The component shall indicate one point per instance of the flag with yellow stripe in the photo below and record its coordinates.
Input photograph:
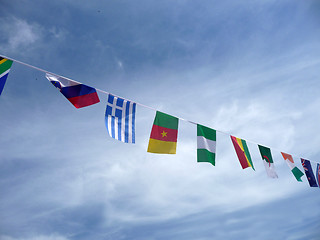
(164, 134)
(5, 65)
(242, 151)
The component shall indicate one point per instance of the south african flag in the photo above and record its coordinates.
(5, 65)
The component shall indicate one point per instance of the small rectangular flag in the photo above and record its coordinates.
(318, 174)
(5, 65)
(164, 134)
(295, 171)
(78, 94)
(309, 173)
(120, 119)
(242, 151)
(206, 144)
(268, 161)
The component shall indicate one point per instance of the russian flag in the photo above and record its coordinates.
(78, 94)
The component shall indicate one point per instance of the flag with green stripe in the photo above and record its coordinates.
(295, 171)
(5, 65)
(164, 134)
(268, 161)
(206, 144)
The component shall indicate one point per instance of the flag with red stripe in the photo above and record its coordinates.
(78, 94)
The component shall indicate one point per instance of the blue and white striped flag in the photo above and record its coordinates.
(120, 119)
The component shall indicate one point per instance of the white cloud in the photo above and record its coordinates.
(19, 34)
(58, 33)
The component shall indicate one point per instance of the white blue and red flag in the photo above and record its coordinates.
(78, 94)
(120, 119)
(309, 173)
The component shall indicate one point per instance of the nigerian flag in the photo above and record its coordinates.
(206, 143)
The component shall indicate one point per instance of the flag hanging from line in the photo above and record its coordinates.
(78, 94)
(295, 171)
(309, 173)
(206, 144)
(5, 65)
(268, 161)
(120, 119)
(164, 134)
(242, 151)
(318, 174)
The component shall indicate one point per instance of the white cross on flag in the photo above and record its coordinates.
(120, 119)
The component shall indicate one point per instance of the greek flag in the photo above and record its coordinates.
(120, 119)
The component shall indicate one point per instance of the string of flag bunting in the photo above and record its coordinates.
(120, 123)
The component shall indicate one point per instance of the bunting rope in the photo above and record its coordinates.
(142, 105)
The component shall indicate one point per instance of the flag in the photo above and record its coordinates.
(268, 161)
(296, 171)
(309, 173)
(206, 144)
(164, 134)
(242, 151)
(5, 65)
(318, 174)
(120, 119)
(78, 94)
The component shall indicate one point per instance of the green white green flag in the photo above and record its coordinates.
(206, 143)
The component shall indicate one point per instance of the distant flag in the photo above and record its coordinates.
(164, 134)
(78, 94)
(120, 119)
(5, 65)
(242, 152)
(268, 161)
(296, 171)
(206, 144)
(309, 173)
(318, 174)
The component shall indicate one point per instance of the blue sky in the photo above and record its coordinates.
(247, 68)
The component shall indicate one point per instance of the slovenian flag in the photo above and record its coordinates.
(78, 94)
(5, 65)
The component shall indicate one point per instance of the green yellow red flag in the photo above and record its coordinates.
(242, 152)
(164, 134)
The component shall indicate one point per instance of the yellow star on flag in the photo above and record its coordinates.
(164, 134)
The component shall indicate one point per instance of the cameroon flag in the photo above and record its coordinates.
(164, 134)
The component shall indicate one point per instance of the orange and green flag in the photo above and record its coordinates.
(164, 134)
(242, 151)
(295, 171)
